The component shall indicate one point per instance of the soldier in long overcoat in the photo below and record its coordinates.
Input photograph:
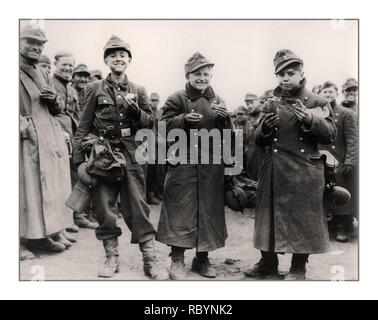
(44, 165)
(289, 212)
(192, 214)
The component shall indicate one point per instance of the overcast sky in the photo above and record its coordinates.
(242, 50)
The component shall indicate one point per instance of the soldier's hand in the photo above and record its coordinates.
(132, 107)
(269, 122)
(48, 94)
(192, 118)
(347, 169)
(220, 111)
(302, 114)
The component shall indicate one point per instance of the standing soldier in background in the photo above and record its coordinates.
(95, 75)
(115, 109)
(152, 169)
(242, 127)
(80, 79)
(289, 208)
(345, 150)
(69, 119)
(253, 105)
(45, 65)
(350, 92)
(44, 165)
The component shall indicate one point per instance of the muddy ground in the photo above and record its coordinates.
(82, 261)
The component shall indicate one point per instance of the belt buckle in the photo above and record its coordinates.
(126, 132)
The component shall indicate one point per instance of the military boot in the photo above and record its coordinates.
(201, 265)
(298, 267)
(25, 254)
(111, 265)
(82, 222)
(177, 271)
(150, 263)
(267, 266)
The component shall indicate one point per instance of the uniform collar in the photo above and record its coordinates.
(123, 85)
(61, 77)
(195, 94)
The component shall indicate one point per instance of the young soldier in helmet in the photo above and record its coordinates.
(115, 108)
(289, 209)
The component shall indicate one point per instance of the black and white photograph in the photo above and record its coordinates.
(189, 150)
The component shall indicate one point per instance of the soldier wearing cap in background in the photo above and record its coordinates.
(289, 208)
(252, 152)
(45, 65)
(95, 75)
(350, 92)
(156, 172)
(266, 96)
(242, 127)
(316, 89)
(192, 214)
(68, 118)
(44, 164)
(345, 150)
(115, 109)
(80, 79)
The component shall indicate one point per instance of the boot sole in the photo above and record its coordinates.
(108, 277)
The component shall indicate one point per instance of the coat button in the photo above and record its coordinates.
(105, 101)
(275, 139)
(121, 114)
(333, 147)
(118, 88)
(300, 138)
(119, 96)
(336, 120)
(121, 123)
(276, 129)
(302, 151)
(275, 150)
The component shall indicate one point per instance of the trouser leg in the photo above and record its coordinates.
(104, 197)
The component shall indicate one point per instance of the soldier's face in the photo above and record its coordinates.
(329, 93)
(201, 78)
(31, 48)
(118, 61)
(154, 102)
(241, 116)
(289, 78)
(351, 94)
(80, 80)
(46, 67)
(65, 66)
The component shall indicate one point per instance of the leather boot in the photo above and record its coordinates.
(25, 254)
(61, 239)
(50, 245)
(82, 222)
(267, 266)
(111, 265)
(73, 229)
(177, 271)
(298, 267)
(150, 263)
(68, 236)
(201, 264)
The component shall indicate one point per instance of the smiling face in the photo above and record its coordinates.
(351, 94)
(65, 65)
(329, 93)
(200, 79)
(31, 49)
(118, 61)
(80, 80)
(290, 77)
(46, 67)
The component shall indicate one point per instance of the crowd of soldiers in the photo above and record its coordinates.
(61, 111)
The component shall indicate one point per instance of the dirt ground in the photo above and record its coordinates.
(81, 262)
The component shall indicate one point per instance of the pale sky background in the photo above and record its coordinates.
(242, 50)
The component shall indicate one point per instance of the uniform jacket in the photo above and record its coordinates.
(69, 115)
(289, 210)
(44, 166)
(105, 113)
(192, 214)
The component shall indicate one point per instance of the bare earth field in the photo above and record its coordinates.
(82, 261)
